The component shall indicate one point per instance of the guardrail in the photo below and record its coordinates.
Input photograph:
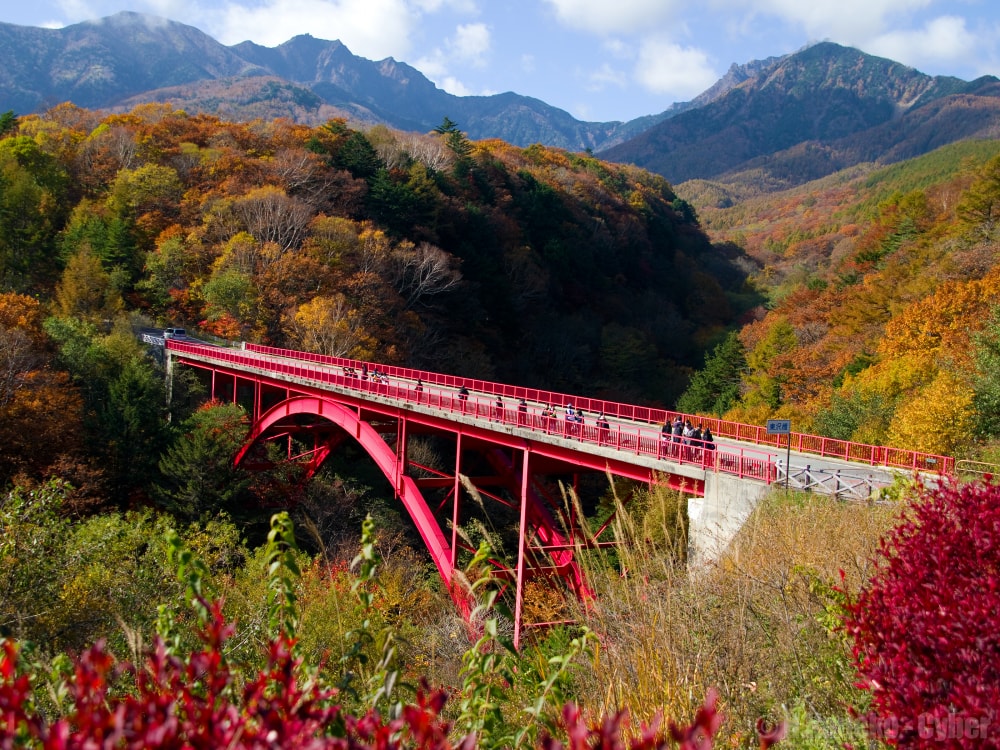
(978, 468)
(874, 455)
(633, 439)
(836, 482)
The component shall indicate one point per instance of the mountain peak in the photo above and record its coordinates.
(824, 94)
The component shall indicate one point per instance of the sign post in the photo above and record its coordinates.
(783, 427)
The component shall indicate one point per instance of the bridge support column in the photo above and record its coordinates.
(457, 493)
(169, 383)
(714, 520)
(521, 531)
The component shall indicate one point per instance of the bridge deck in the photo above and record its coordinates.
(631, 438)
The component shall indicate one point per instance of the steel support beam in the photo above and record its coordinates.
(521, 533)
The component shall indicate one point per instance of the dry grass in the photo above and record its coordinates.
(755, 625)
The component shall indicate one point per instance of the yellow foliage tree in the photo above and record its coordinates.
(936, 419)
(767, 346)
(328, 325)
(923, 354)
(892, 377)
(941, 324)
(85, 290)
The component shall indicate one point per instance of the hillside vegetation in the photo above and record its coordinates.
(531, 265)
(883, 286)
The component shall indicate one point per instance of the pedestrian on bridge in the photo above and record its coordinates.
(548, 418)
(570, 419)
(498, 414)
(696, 443)
(677, 434)
(603, 429)
(686, 435)
(709, 442)
(522, 412)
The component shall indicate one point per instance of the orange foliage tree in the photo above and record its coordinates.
(40, 410)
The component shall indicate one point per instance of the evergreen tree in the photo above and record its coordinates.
(390, 202)
(357, 156)
(198, 476)
(8, 122)
(857, 415)
(124, 401)
(716, 388)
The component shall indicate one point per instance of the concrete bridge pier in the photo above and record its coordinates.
(715, 519)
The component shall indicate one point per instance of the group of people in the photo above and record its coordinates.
(574, 418)
(681, 439)
(678, 438)
(375, 376)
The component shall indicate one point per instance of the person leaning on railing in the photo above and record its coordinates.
(603, 429)
(709, 442)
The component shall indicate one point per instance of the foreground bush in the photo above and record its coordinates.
(196, 698)
(926, 628)
(193, 703)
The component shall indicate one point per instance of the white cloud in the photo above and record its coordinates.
(664, 67)
(171, 9)
(943, 39)
(607, 76)
(620, 16)
(459, 6)
(847, 21)
(370, 28)
(619, 49)
(471, 44)
(77, 10)
(454, 86)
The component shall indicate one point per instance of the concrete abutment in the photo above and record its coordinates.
(715, 519)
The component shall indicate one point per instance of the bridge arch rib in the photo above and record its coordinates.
(404, 486)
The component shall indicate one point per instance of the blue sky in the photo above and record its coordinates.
(597, 59)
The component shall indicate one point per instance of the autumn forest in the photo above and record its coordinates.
(863, 306)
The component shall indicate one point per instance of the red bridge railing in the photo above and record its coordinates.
(872, 455)
(634, 439)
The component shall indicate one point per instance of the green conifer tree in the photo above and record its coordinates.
(715, 388)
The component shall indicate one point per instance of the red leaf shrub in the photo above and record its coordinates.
(195, 703)
(926, 628)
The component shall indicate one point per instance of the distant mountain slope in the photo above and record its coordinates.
(95, 63)
(768, 123)
(127, 58)
(814, 112)
(800, 227)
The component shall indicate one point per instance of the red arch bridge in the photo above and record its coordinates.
(510, 451)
